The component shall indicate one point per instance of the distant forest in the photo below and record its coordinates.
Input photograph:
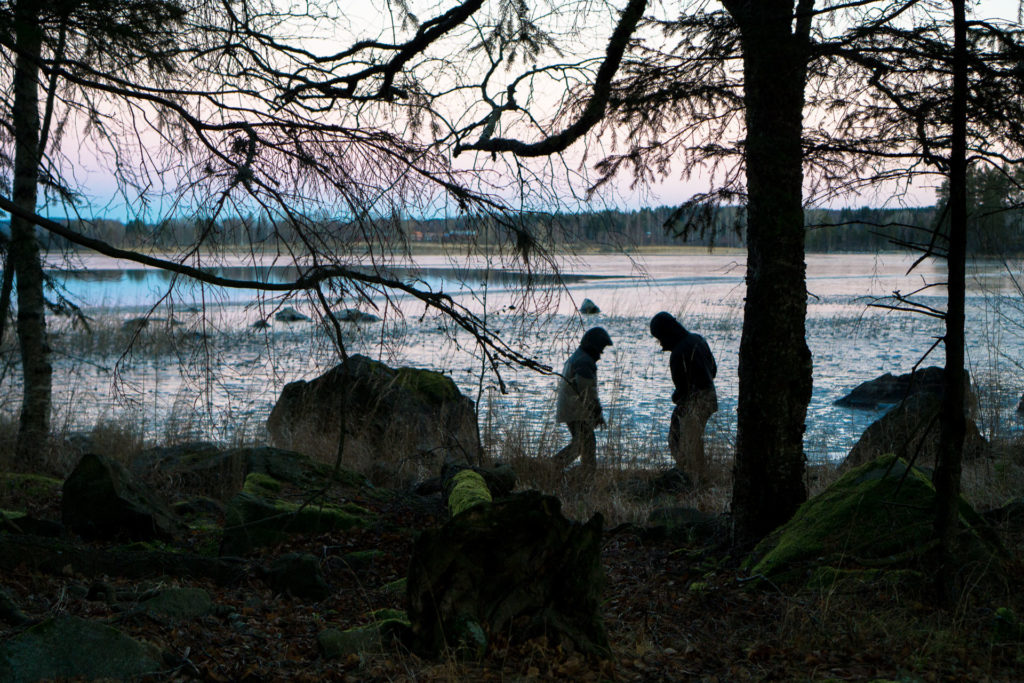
(996, 227)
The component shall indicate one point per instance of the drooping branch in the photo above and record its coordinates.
(592, 113)
(344, 87)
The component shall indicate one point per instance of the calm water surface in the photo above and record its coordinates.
(220, 379)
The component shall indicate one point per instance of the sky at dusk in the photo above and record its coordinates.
(100, 198)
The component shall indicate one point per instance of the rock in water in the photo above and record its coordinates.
(101, 500)
(588, 307)
(354, 315)
(405, 411)
(888, 389)
(290, 315)
(911, 431)
(516, 567)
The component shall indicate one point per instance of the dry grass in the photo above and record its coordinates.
(620, 491)
(994, 481)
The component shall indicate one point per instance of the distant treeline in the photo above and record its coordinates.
(829, 230)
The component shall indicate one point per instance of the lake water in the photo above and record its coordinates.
(214, 377)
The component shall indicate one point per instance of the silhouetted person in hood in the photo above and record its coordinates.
(578, 406)
(693, 373)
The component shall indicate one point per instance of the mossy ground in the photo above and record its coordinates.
(24, 491)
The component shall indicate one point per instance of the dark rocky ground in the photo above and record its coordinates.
(676, 605)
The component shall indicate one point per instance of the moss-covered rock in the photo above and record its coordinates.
(259, 484)
(468, 489)
(199, 510)
(295, 468)
(252, 521)
(102, 500)
(879, 515)
(69, 647)
(386, 625)
(179, 604)
(427, 384)
(407, 411)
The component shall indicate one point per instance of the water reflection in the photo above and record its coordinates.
(850, 342)
(137, 287)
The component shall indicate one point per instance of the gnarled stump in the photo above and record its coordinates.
(516, 567)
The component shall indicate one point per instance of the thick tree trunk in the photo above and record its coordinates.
(951, 436)
(34, 425)
(774, 361)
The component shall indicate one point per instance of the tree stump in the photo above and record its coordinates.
(514, 567)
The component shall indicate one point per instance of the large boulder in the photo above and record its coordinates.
(354, 315)
(101, 500)
(515, 566)
(67, 647)
(911, 430)
(406, 411)
(889, 389)
(877, 517)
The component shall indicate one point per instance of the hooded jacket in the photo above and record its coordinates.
(692, 363)
(577, 387)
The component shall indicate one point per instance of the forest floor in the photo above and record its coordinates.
(674, 609)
